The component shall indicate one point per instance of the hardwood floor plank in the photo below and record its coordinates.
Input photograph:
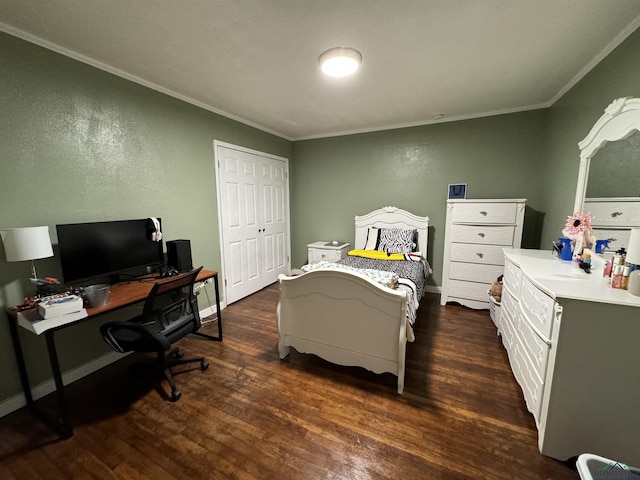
(254, 416)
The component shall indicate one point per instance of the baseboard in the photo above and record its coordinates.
(18, 401)
(433, 289)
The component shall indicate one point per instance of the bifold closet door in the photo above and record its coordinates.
(254, 220)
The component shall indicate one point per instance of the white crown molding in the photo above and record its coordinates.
(632, 27)
(127, 76)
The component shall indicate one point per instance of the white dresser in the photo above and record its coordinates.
(475, 234)
(574, 347)
(613, 218)
(326, 251)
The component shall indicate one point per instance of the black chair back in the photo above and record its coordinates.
(173, 307)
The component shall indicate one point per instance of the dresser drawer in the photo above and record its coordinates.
(614, 214)
(530, 383)
(489, 235)
(470, 253)
(507, 330)
(512, 277)
(474, 272)
(537, 307)
(536, 348)
(319, 255)
(509, 304)
(469, 290)
(490, 213)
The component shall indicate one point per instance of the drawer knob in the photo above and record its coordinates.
(480, 254)
(481, 235)
(483, 213)
(616, 214)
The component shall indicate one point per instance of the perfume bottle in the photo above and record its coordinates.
(626, 271)
(616, 277)
(606, 272)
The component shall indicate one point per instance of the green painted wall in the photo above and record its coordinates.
(570, 120)
(78, 144)
(335, 179)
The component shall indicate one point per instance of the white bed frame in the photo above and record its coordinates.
(344, 317)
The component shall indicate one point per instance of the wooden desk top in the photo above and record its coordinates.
(127, 293)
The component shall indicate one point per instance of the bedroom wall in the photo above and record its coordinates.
(78, 144)
(337, 178)
(570, 120)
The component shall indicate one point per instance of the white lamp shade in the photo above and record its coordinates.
(633, 249)
(27, 243)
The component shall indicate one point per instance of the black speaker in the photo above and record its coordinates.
(179, 255)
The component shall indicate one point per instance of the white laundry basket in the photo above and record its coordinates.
(595, 467)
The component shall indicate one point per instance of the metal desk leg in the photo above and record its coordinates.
(22, 368)
(219, 315)
(62, 426)
(65, 428)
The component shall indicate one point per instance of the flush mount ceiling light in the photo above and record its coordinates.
(340, 61)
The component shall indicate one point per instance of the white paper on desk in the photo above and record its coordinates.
(32, 320)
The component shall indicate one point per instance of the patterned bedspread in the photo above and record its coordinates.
(417, 272)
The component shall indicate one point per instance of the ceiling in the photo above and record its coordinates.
(256, 60)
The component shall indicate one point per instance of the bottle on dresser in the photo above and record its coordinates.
(616, 276)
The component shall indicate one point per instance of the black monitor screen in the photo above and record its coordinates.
(106, 249)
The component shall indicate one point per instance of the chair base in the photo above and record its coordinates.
(165, 361)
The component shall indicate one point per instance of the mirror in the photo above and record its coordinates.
(619, 123)
(614, 170)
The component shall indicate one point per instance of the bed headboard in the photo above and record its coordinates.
(392, 217)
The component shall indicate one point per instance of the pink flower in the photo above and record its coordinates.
(578, 223)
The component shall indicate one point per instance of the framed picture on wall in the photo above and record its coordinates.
(457, 190)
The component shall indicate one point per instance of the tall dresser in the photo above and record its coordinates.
(476, 232)
(572, 343)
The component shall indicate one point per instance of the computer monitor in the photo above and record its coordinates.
(111, 251)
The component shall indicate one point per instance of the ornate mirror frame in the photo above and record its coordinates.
(621, 118)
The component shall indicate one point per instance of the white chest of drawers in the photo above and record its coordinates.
(475, 234)
(572, 343)
(613, 218)
(326, 252)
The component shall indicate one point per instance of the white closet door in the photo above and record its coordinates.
(254, 219)
(275, 226)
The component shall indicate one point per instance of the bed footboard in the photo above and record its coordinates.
(344, 318)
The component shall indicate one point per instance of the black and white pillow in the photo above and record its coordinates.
(396, 240)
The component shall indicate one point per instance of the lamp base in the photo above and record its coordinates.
(634, 283)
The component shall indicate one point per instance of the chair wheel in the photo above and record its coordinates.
(204, 365)
(175, 396)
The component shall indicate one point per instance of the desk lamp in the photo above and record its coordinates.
(633, 256)
(27, 243)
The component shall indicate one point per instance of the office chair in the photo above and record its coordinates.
(170, 312)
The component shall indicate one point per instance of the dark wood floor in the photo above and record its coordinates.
(253, 416)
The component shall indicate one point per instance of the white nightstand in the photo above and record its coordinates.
(326, 252)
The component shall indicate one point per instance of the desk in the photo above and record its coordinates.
(122, 295)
